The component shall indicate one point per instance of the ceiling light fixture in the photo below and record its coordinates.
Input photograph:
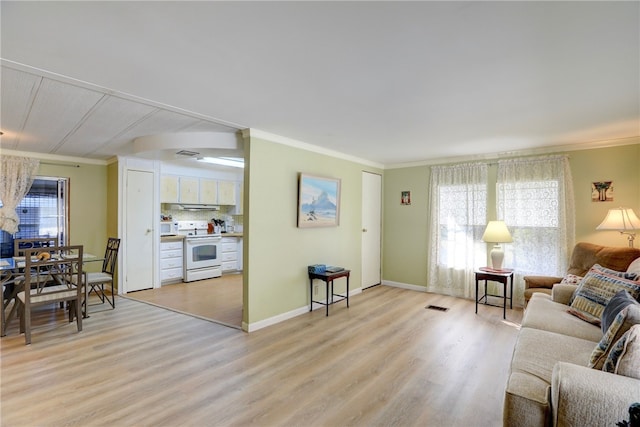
(224, 161)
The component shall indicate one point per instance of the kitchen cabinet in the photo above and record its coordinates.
(229, 254)
(227, 193)
(208, 191)
(189, 190)
(168, 189)
(171, 262)
(237, 209)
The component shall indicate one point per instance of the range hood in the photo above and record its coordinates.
(194, 207)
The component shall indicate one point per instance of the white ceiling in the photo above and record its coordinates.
(388, 82)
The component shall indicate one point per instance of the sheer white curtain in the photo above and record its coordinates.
(16, 177)
(458, 217)
(535, 199)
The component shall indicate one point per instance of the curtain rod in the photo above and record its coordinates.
(60, 164)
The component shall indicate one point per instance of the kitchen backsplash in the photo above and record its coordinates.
(200, 215)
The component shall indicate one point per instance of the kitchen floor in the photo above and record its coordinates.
(218, 300)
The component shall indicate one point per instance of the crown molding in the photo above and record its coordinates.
(63, 160)
(521, 153)
(257, 133)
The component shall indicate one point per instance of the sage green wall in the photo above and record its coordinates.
(406, 231)
(87, 203)
(406, 227)
(277, 251)
(618, 164)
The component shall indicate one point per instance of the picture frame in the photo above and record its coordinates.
(405, 197)
(602, 191)
(318, 201)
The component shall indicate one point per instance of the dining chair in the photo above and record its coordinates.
(96, 282)
(21, 245)
(49, 281)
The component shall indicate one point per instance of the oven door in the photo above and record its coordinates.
(202, 252)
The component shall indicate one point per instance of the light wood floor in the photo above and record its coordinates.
(385, 361)
(218, 299)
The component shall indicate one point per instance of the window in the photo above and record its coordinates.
(43, 213)
(535, 200)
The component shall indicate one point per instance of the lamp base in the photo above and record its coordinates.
(497, 256)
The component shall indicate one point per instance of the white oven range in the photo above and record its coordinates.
(202, 255)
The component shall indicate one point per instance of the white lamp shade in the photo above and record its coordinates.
(497, 232)
(620, 219)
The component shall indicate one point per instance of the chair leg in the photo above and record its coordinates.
(113, 296)
(26, 315)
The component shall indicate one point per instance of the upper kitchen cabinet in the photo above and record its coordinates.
(227, 193)
(168, 189)
(189, 190)
(208, 191)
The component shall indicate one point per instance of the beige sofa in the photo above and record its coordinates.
(549, 381)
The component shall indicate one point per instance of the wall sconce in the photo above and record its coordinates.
(623, 220)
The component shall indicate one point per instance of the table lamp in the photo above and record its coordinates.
(497, 232)
(623, 220)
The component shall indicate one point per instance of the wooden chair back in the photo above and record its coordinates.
(52, 280)
(111, 256)
(21, 245)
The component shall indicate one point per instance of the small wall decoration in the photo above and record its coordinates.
(405, 198)
(318, 201)
(602, 191)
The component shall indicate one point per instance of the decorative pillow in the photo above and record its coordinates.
(628, 317)
(629, 361)
(597, 267)
(624, 357)
(571, 279)
(634, 267)
(619, 301)
(597, 288)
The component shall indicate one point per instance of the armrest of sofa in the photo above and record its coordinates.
(582, 396)
(540, 281)
(562, 292)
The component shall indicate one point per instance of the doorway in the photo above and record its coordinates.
(371, 229)
(139, 231)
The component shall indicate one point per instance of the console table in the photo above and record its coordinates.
(328, 279)
(501, 277)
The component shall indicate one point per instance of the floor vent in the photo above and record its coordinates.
(436, 307)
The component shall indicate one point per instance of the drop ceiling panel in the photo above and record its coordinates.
(57, 109)
(18, 89)
(109, 119)
(162, 121)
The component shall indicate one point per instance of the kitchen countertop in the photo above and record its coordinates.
(179, 238)
(175, 238)
(232, 234)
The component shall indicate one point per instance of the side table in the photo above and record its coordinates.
(500, 277)
(328, 278)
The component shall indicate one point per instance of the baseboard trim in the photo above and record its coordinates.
(252, 327)
(404, 286)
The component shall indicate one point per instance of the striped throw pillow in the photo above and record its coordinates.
(595, 290)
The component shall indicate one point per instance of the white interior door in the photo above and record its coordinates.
(139, 230)
(371, 228)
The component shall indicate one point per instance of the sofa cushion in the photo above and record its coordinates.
(619, 301)
(628, 317)
(634, 267)
(544, 314)
(624, 357)
(535, 354)
(597, 288)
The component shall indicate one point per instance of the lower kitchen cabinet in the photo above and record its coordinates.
(229, 254)
(171, 262)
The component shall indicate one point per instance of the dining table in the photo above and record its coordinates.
(11, 271)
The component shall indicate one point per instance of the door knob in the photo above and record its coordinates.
(364, 230)
(149, 230)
